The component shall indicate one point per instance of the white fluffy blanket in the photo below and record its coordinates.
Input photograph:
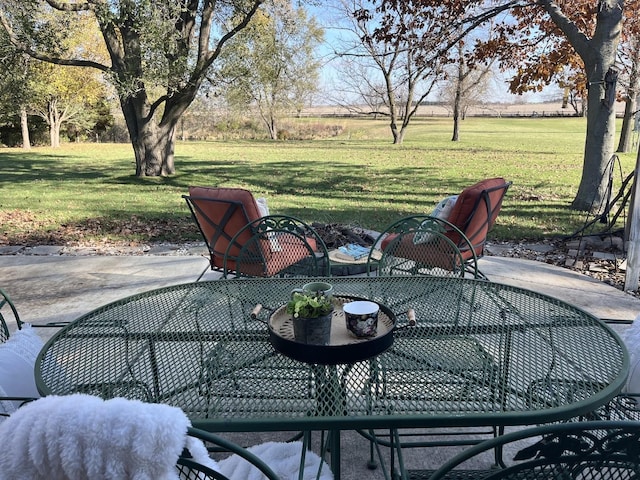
(284, 460)
(80, 437)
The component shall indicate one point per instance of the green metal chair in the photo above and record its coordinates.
(277, 245)
(8, 312)
(423, 245)
(625, 406)
(8, 315)
(473, 215)
(569, 451)
(234, 228)
(189, 469)
(427, 245)
(219, 213)
(476, 383)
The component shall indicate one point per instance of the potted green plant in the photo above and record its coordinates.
(311, 315)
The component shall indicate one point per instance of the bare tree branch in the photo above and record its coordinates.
(208, 60)
(578, 40)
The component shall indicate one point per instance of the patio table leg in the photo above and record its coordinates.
(326, 446)
(334, 442)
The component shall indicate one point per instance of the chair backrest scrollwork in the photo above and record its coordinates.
(574, 450)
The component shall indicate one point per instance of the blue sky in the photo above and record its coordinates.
(326, 17)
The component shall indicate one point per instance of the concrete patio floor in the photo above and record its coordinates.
(62, 287)
(48, 288)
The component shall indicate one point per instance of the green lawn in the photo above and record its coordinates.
(87, 192)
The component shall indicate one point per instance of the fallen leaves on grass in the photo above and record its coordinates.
(24, 228)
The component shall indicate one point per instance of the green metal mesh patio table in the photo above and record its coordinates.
(479, 354)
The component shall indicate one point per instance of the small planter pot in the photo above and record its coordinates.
(314, 331)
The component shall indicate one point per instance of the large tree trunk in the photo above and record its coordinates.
(24, 125)
(153, 144)
(598, 54)
(599, 145)
(154, 148)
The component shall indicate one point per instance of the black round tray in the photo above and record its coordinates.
(343, 347)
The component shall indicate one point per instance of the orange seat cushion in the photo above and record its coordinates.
(291, 251)
(426, 253)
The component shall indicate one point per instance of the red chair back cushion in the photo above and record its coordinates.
(216, 210)
(470, 203)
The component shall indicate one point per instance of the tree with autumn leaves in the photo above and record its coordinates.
(576, 44)
(64, 97)
(554, 60)
(270, 66)
(540, 39)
